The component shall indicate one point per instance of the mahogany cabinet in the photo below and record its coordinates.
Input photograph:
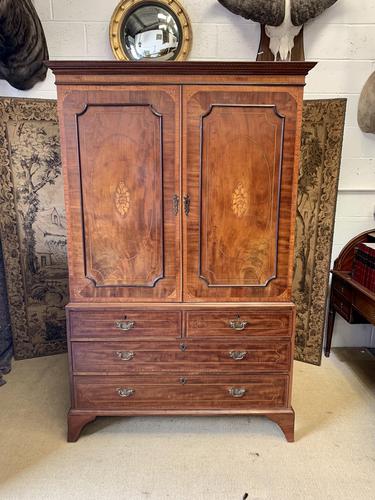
(180, 189)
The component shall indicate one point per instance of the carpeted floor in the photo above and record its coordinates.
(192, 458)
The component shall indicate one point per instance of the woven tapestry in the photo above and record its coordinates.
(322, 136)
(6, 348)
(33, 225)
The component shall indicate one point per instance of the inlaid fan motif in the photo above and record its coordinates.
(240, 200)
(122, 199)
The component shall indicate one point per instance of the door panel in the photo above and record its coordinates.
(240, 170)
(123, 178)
(122, 191)
(238, 173)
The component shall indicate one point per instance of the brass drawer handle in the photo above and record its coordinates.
(237, 392)
(238, 355)
(125, 355)
(125, 393)
(124, 325)
(238, 324)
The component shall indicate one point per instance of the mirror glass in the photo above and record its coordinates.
(151, 32)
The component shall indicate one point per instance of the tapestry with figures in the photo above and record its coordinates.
(33, 225)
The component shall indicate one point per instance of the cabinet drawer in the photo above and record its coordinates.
(365, 306)
(196, 357)
(241, 323)
(179, 392)
(124, 323)
(342, 307)
(342, 288)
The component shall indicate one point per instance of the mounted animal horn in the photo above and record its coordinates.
(23, 46)
(271, 12)
(304, 10)
(283, 19)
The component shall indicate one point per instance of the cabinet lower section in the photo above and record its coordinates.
(181, 359)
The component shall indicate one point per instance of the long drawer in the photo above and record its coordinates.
(174, 392)
(197, 356)
(241, 323)
(124, 324)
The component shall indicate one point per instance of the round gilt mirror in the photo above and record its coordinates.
(156, 30)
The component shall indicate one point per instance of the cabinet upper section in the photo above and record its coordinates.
(180, 179)
(108, 72)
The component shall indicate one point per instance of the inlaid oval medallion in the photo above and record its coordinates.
(122, 199)
(240, 200)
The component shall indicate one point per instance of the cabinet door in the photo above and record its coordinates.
(240, 176)
(122, 173)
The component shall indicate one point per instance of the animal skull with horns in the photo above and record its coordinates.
(283, 19)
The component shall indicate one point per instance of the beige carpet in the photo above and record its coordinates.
(191, 458)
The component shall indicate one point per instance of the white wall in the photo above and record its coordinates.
(342, 40)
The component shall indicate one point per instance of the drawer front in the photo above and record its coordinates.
(175, 392)
(124, 323)
(240, 323)
(365, 306)
(342, 306)
(342, 288)
(198, 357)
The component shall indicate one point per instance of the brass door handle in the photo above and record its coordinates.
(238, 324)
(124, 325)
(237, 392)
(176, 204)
(125, 355)
(238, 355)
(186, 204)
(124, 392)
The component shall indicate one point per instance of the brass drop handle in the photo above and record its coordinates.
(124, 325)
(125, 355)
(238, 355)
(237, 392)
(238, 324)
(124, 392)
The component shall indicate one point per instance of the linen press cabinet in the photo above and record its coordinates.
(180, 189)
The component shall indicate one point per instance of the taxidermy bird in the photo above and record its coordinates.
(283, 19)
(23, 47)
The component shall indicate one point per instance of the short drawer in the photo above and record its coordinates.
(342, 306)
(124, 323)
(181, 392)
(365, 306)
(241, 323)
(189, 356)
(342, 288)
